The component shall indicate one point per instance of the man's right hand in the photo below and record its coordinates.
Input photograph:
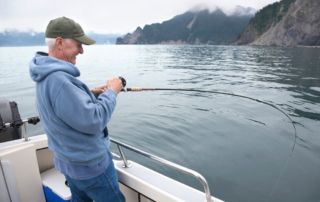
(115, 84)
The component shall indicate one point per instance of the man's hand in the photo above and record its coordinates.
(103, 88)
(114, 84)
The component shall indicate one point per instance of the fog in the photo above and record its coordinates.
(104, 16)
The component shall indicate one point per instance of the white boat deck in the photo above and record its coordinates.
(23, 162)
(137, 176)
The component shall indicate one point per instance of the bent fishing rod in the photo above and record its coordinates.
(136, 89)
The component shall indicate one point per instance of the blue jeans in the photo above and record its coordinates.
(103, 188)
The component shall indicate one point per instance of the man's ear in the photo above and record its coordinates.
(59, 42)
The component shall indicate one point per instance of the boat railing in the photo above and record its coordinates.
(126, 164)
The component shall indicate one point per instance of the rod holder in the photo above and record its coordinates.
(126, 164)
(26, 139)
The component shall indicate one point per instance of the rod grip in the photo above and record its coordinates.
(96, 91)
(136, 89)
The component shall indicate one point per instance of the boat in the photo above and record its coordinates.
(27, 170)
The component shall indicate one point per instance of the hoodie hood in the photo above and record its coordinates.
(42, 65)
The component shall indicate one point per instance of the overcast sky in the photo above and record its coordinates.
(104, 16)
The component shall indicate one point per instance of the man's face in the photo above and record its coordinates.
(71, 50)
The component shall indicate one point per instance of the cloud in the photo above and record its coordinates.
(105, 16)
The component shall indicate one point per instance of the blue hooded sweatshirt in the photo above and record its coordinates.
(74, 119)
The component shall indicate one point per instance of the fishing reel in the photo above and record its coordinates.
(124, 82)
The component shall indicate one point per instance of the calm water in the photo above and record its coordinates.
(239, 146)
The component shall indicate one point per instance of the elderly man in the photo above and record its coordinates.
(75, 119)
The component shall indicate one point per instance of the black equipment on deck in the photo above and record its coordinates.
(9, 113)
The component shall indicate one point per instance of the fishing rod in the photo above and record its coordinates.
(137, 89)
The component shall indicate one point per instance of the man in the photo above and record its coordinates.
(74, 119)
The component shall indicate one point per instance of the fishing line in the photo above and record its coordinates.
(215, 92)
(235, 95)
(136, 89)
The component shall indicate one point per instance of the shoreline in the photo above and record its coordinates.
(179, 44)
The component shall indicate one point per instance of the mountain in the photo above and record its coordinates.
(104, 38)
(284, 23)
(16, 38)
(201, 27)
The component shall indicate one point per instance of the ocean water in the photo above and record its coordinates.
(240, 146)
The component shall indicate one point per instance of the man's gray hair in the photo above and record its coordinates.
(51, 42)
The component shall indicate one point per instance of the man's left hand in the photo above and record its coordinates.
(103, 87)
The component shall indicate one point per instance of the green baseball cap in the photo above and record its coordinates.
(66, 28)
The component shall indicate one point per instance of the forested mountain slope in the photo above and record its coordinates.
(202, 27)
(285, 23)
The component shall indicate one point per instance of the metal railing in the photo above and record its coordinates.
(165, 162)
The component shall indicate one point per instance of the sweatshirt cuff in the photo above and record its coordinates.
(111, 92)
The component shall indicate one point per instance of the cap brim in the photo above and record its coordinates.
(85, 40)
